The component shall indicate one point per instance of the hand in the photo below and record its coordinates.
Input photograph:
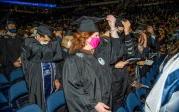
(140, 40)
(38, 38)
(140, 63)
(43, 40)
(127, 26)
(101, 107)
(138, 85)
(111, 21)
(57, 84)
(143, 39)
(121, 64)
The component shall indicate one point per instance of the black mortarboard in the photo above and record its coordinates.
(87, 24)
(44, 30)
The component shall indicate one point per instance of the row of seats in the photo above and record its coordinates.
(14, 95)
(11, 88)
(14, 76)
(55, 101)
(135, 100)
(14, 89)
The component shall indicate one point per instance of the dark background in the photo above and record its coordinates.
(68, 9)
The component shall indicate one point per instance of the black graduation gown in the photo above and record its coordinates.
(120, 81)
(85, 83)
(111, 50)
(10, 48)
(33, 55)
(87, 78)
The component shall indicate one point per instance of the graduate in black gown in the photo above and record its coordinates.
(120, 77)
(10, 43)
(87, 74)
(40, 57)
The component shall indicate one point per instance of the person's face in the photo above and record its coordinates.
(58, 33)
(92, 44)
(95, 34)
(11, 26)
(150, 29)
(17, 63)
(32, 30)
(67, 41)
(43, 39)
(46, 38)
(120, 29)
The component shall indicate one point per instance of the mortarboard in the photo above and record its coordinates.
(87, 24)
(44, 30)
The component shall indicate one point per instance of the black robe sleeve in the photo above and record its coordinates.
(123, 47)
(111, 50)
(33, 51)
(44, 53)
(74, 86)
(118, 50)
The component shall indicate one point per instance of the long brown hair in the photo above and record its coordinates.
(79, 41)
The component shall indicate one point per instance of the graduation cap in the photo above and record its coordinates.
(87, 24)
(44, 30)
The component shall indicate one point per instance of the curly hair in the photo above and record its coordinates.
(79, 41)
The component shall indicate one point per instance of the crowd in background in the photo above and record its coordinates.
(145, 36)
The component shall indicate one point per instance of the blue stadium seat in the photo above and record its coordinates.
(4, 83)
(3, 103)
(152, 72)
(133, 103)
(141, 94)
(55, 101)
(17, 89)
(145, 82)
(30, 108)
(16, 74)
(3, 79)
(149, 77)
(3, 99)
(121, 109)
